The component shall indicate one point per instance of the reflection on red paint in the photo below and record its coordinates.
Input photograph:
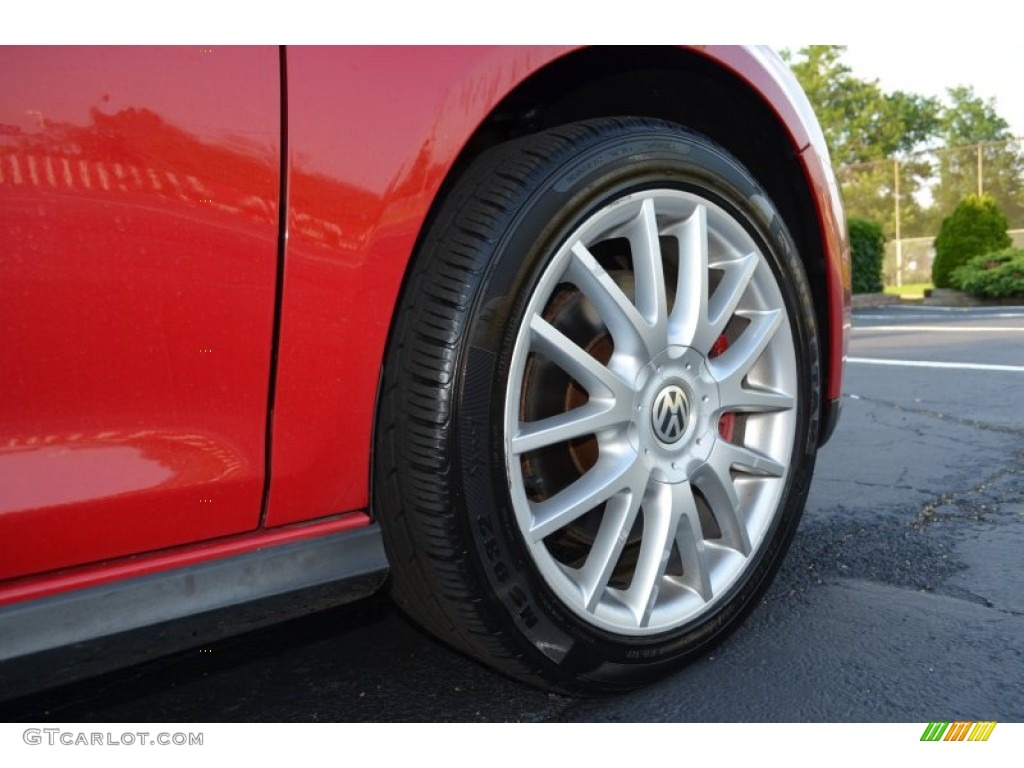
(85, 472)
(50, 470)
(138, 226)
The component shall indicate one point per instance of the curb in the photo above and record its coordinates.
(946, 297)
(939, 298)
(872, 300)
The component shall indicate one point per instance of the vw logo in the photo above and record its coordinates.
(668, 417)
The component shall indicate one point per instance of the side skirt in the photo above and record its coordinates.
(67, 637)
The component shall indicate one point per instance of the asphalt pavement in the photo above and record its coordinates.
(902, 598)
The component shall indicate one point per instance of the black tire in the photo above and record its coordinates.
(444, 473)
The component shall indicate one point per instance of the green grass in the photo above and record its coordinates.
(908, 290)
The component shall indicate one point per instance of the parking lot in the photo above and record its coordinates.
(901, 600)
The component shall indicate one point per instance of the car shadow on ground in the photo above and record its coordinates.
(359, 662)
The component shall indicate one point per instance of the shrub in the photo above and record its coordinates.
(975, 227)
(993, 275)
(867, 247)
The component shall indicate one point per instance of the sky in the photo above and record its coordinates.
(995, 71)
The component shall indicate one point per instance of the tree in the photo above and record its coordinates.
(975, 227)
(866, 130)
(867, 250)
(967, 122)
(969, 119)
(861, 123)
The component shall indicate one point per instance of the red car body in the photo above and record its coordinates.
(201, 250)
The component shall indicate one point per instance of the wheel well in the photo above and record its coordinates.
(683, 87)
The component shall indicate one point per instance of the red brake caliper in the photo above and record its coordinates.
(727, 422)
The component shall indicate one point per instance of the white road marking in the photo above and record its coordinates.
(983, 316)
(936, 364)
(955, 310)
(940, 328)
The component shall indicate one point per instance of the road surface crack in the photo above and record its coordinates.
(973, 423)
(966, 595)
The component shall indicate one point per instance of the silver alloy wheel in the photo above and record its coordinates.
(678, 419)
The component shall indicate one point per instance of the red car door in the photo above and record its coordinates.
(139, 192)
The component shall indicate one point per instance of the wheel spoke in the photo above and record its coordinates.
(585, 420)
(736, 275)
(619, 516)
(715, 483)
(662, 506)
(598, 484)
(741, 355)
(648, 268)
(628, 329)
(734, 396)
(567, 355)
(690, 311)
(745, 460)
(690, 543)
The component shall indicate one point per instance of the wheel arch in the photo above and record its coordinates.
(729, 94)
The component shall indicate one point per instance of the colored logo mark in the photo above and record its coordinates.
(959, 731)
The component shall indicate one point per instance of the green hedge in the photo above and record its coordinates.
(993, 275)
(867, 247)
(975, 227)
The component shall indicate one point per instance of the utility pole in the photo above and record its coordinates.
(899, 243)
(981, 186)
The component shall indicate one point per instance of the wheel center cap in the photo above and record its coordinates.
(670, 414)
(677, 406)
